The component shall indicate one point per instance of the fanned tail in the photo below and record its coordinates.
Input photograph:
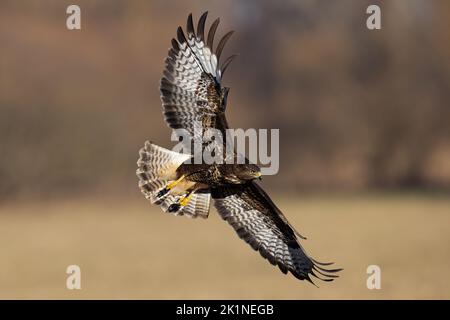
(156, 170)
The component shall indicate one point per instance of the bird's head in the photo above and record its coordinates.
(247, 172)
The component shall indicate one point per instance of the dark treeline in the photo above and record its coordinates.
(356, 109)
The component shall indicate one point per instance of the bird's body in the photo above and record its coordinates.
(192, 97)
(215, 175)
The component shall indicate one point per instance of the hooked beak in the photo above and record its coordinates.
(259, 175)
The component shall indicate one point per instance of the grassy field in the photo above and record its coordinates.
(129, 249)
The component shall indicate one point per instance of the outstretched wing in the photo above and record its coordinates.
(191, 91)
(256, 219)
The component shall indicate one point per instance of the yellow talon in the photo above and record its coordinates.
(174, 183)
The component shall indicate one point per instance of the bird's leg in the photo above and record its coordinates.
(170, 186)
(185, 199)
(182, 202)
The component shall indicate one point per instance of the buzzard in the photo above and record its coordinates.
(192, 93)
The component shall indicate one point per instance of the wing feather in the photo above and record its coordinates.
(201, 27)
(212, 32)
(190, 25)
(222, 43)
(191, 83)
(257, 221)
(226, 63)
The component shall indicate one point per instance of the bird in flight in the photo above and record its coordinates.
(192, 94)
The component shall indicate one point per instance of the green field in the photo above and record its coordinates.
(129, 249)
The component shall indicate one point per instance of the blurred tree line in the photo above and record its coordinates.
(357, 109)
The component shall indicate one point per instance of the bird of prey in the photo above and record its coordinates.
(192, 92)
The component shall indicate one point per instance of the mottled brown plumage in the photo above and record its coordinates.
(219, 175)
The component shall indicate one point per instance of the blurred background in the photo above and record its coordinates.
(364, 147)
